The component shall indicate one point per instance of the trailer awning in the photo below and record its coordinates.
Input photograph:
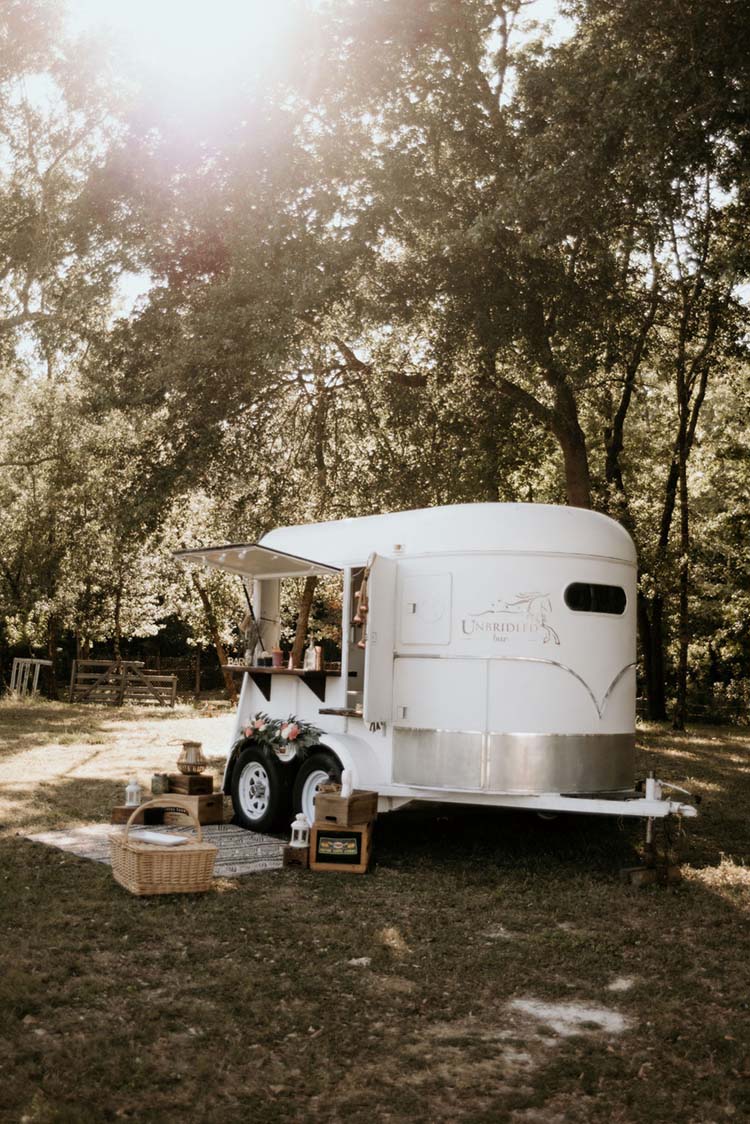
(254, 561)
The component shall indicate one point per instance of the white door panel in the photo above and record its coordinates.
(426, 609)
(440, 694)
(381, 636)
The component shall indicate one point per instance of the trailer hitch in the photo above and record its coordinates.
(654, 789)
(661, 859)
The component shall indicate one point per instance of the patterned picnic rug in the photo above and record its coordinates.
(240, 851)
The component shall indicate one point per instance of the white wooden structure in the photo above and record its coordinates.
(24, 675)
(499, 666)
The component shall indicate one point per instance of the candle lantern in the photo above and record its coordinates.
(191, 761)
(300, 831)
(132, 794)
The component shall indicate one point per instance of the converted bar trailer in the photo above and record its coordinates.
(497, 665)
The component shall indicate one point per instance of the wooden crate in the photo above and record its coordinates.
(191, 784)
(361, 807)
(206, 809)
(335, 847)
(296, 856)
(123, 812)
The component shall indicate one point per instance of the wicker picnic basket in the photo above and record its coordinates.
(147, 868)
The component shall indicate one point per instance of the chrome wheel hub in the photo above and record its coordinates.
(309, 790)
(254, 790)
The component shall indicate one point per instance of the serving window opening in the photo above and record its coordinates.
(296, 630)
(310, 612)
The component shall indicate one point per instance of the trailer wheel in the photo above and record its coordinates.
(260, 791)
(316, 770)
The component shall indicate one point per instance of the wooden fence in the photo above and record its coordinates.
(24, 677)
(114, 683)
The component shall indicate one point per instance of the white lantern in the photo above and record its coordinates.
(300, 831)
(132, 794)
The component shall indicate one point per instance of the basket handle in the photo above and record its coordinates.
(166, 802)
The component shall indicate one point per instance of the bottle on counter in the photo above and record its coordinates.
(309, 660)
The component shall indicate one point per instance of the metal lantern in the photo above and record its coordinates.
(300, 831)
(132, 794)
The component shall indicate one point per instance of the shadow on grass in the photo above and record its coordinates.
(26, 724)
(714, 764)
(24, 728)
(59, 803)
(505, 839)
(226, 1005)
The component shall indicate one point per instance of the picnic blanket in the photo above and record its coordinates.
(240, 851)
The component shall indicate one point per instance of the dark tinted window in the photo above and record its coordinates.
(585, 597)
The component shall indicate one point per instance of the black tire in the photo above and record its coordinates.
(325, 763)
(260, 791)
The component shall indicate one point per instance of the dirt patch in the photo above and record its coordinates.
(566, 1019)
(392, 985)
(499, 933)
(621, 983)
(50, 749)
(391, 939)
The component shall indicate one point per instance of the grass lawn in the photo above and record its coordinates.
(505, 972)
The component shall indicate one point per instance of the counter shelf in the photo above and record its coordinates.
(262, 677)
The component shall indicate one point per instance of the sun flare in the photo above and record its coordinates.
(190, 43)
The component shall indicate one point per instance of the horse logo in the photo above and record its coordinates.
(526, 614)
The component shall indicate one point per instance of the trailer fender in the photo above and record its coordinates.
(355, 754)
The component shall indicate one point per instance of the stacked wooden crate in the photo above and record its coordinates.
(341, 837)
(196, 790)
(207, 805)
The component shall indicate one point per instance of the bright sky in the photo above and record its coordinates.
(192, 44)
(195, 50)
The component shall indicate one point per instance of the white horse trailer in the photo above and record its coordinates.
(498, 666)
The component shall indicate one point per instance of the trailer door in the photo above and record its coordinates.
(381, 638)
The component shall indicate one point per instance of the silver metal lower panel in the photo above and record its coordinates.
(514, 763)
(444, 758)
(560, 762)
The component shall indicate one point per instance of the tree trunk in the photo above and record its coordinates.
(491, 424)
(118, 627)
(651, 629)
(213, 628)
(562, 422)
(303, 618)
(51, 654)
(577, 475)
(680, 712)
